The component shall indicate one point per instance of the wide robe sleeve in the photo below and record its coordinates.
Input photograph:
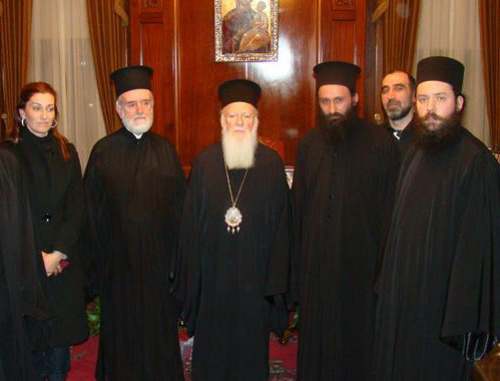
(96, 224)
(388, 166)
(279, 266)
(180, 193)
(70, 231)
(278, 269)
(472, 310)
(17, 238)
(305, 172)
(20, 295)
(187, 284)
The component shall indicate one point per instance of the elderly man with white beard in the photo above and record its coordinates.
(234, 246)
(135, 187)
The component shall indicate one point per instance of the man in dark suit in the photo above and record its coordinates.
(398, 95)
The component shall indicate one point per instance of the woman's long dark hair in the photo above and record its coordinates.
(27, 92)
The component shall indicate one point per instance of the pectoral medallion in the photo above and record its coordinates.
(233, 219)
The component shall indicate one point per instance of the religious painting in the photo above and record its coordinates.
(246, 30)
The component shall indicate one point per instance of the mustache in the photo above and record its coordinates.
(434, 116)
(334, 125)
(393, 102)
(435, 140)
(334, 116)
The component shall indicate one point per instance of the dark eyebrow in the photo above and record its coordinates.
(39, 104)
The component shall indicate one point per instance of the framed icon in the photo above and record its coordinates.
(246, 30)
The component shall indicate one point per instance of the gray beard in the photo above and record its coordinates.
(400, 114)
(137, 130)
(239, 154)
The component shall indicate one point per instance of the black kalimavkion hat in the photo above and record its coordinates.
(336, 73)
(239, 90)
(131, 78)
(442, 69)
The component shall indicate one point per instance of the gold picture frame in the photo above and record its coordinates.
(246, 30)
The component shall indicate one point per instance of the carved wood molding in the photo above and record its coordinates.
(343, 4)
(151, 4)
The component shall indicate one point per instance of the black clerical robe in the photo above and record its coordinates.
(233, 284)
(135, 189)
(440, 277)
(19, 286)
(342, 198)
(405, 137)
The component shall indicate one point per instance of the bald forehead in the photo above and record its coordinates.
(396, 78)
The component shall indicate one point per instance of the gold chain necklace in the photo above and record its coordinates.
(233, 215)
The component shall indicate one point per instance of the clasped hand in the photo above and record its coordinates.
(52, 262)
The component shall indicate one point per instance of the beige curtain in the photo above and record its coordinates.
(107, 24)
(61, 55)
(490, 48)
(15, 32)
(451, 28)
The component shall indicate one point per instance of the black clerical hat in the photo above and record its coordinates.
(336, 73)
(239, 90)
(131, 78)
(442, 69)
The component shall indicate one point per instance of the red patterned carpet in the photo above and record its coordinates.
(282, 362)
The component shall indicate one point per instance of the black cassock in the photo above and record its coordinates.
(135, 190)
(342, 198)
(19, 286)
(441, 273)
(233, 284)
(405, 138)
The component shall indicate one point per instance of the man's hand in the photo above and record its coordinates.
(52, 261)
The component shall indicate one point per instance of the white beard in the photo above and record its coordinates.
(239, 154)
(137, 129)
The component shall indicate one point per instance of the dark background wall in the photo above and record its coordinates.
(176, 38)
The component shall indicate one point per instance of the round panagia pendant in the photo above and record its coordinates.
(233, 219)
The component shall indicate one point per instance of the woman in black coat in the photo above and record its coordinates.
(53, 178)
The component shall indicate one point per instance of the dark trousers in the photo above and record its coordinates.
(52, 364)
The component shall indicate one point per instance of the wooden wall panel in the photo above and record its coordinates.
(152, 44)
(176, 38)
(373, 67)
(342, 36)
(288, 105)
(199, 77)
(342, 41)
